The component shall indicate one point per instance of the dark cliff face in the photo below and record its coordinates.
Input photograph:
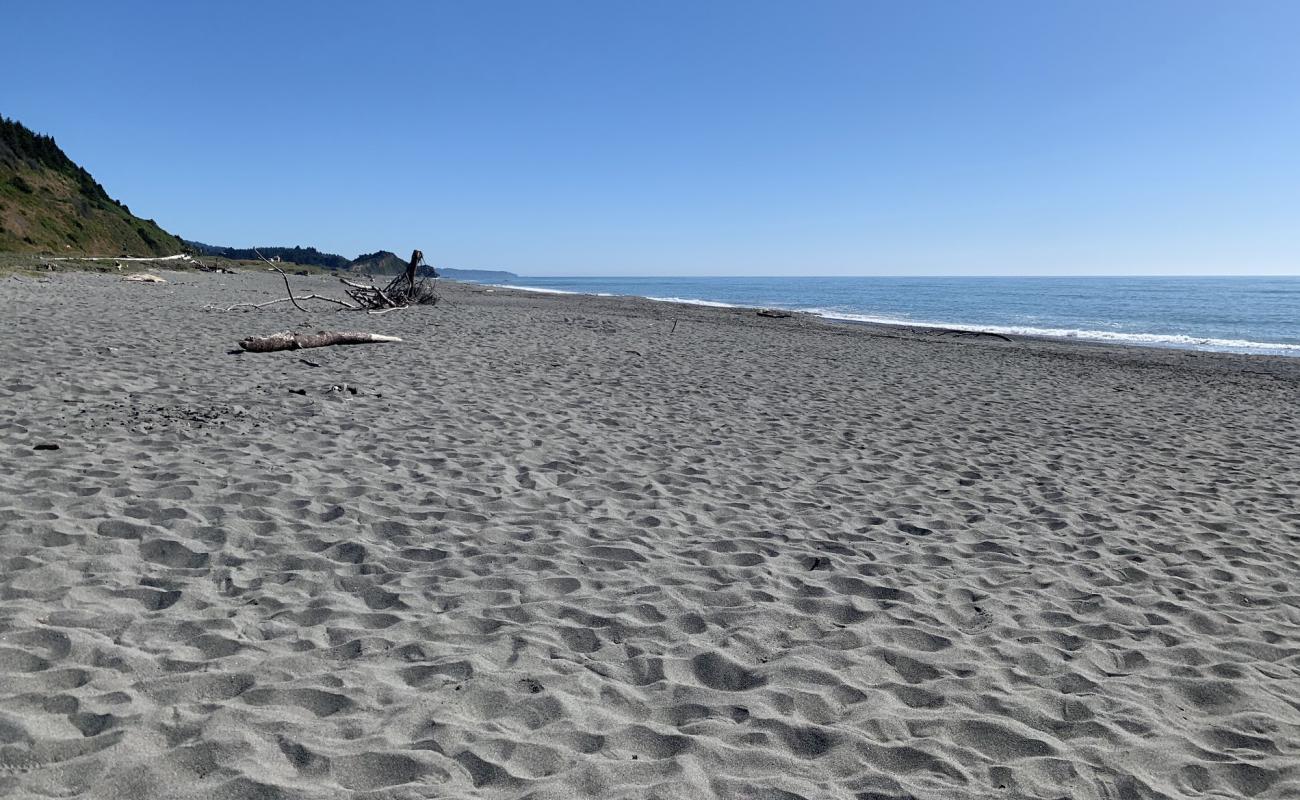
(380, 262)
(48, 203)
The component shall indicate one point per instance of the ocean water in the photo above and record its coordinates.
(1243, 315)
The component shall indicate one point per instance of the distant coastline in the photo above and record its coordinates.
(477, 275)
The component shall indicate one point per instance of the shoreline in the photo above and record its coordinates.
(1132, 339)
(1165, 355)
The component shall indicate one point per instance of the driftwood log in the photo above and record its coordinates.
(289, 340)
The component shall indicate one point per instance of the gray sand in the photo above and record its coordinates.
(550, 550)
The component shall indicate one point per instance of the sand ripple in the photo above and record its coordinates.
(549, 551)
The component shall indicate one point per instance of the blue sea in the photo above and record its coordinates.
(1242, 315)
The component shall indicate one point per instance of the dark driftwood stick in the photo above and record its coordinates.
(958, 332)
(287, 289)
(416, 258)
(291, 341)
(274, 268)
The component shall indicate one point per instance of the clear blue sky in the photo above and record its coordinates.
(709, 138)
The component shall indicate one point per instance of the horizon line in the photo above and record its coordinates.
(893, 275)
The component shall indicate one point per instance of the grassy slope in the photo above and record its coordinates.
(48, 204)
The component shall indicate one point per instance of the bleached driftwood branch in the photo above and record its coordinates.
(289, 340)
(303, 297)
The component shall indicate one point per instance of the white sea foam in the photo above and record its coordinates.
(688, 301)
(539, 290)
(532, 289)
(1180, 341)
(1177, 341)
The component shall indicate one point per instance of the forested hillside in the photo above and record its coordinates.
(50, 204)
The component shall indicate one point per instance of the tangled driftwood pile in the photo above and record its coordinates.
(403, 291)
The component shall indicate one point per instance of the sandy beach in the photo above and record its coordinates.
(574, 547)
